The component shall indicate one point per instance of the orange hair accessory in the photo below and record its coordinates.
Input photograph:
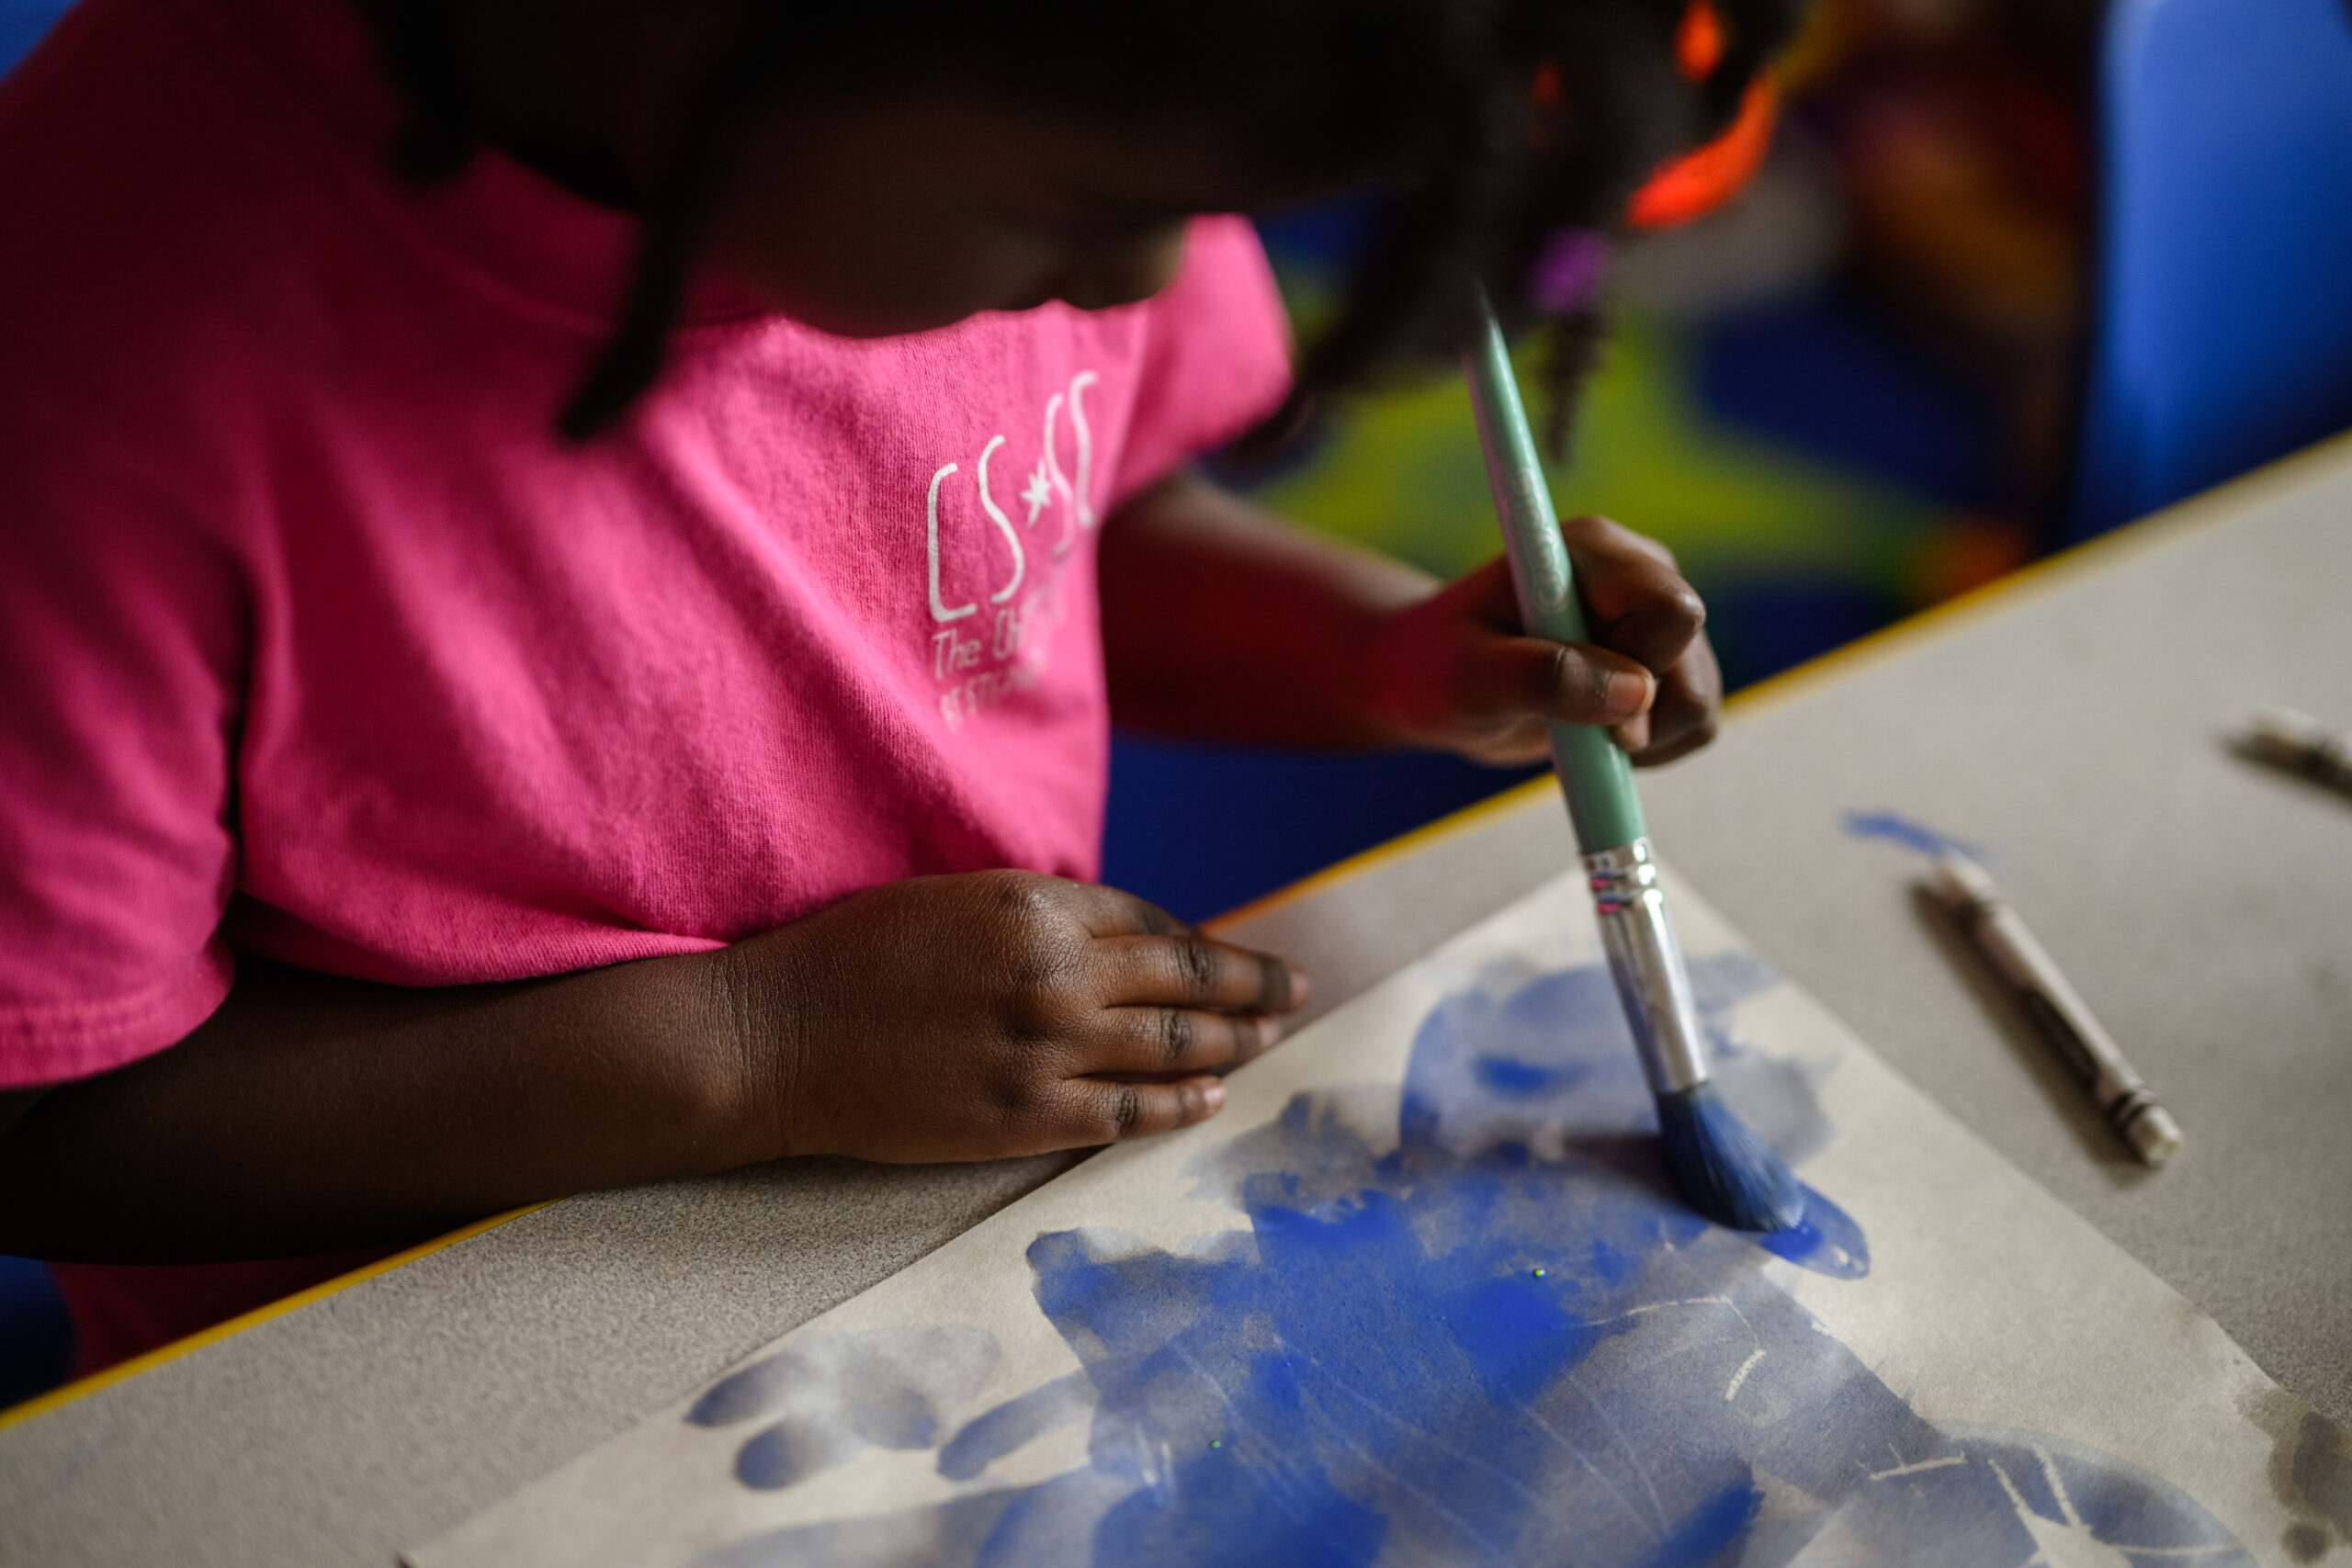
(1700, 181)
(1698, 41)
(1704, 178)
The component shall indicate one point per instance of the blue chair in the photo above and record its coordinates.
(35, 1337)
(2223, 336)
(22, 23)
(1202, 830)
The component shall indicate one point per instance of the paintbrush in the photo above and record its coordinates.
(1726, 1171)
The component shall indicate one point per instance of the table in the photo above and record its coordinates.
(2073, 721)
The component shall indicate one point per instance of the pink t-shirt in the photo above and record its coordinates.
(316, 644)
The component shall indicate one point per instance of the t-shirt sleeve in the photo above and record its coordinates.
(1218, 359)
(120, 643)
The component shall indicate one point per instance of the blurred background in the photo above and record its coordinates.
(1846, 396)
(2017, 271)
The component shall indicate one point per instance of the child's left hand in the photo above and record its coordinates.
(1455, 671)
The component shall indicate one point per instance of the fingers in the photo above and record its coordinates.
(1182, 1042)
(1646, 612)
(1647, 647)
(1188, 970)
(1094, 1111)
(1503, 678)
(1684, 716)
(1631, 586)
(1180, 1007)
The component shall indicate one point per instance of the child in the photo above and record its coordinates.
(437, 779)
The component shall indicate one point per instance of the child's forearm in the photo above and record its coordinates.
(942, 1017)
(311, 1113)
(1222, 622)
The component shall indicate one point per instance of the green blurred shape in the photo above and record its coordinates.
(1401, 471)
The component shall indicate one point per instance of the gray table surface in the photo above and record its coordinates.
(2074, 725)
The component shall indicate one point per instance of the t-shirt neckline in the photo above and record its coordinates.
(511, 230)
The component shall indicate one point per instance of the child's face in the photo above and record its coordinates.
(915, 209)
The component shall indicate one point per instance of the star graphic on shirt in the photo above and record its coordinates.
(1037, 492)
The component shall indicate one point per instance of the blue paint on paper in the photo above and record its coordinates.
(827, 1400)
(1825, 1241)
(1501, 1340)
(1710, 1531)
(1911, 835)
(1016, 1423)
(756, 1389)
(783, 1454)
(1504, 1075)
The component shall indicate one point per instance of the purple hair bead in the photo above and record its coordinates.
(1567, 270)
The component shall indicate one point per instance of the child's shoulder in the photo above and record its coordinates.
(128, 125)
(159, 183)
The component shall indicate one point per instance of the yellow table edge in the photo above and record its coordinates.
(2028, 583)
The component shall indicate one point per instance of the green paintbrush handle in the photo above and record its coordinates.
(1594, 774)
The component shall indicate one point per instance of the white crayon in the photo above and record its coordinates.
(2062, 1015)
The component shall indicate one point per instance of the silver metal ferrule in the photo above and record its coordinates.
(1652, 981)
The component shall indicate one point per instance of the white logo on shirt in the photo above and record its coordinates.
(976, 672)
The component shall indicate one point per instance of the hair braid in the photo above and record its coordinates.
(439, 136)
(675, 212)
(1439, 229)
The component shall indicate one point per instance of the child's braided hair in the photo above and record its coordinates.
(1441, 94)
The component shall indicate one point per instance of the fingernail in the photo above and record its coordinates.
(1301, 987)
(1212, 1097)
(1627, 694)
(1269, 1031)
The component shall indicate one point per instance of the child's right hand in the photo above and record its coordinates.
(996, 1013)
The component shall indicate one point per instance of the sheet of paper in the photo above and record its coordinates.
(1421, 1295)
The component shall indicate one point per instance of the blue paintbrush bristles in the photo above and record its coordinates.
(1726, 1172)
